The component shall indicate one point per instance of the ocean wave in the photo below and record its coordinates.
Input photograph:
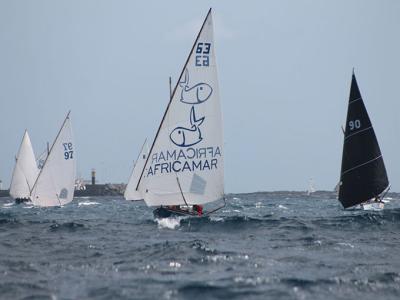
(68, 226)
(169, 223)
(87, 203)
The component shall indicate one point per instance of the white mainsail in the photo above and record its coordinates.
(130, 192)
(25, 170)
(55, 183)
(185, 163)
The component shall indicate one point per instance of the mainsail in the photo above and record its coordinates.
(25, 170)
(363, 174)
(55, 183)
(130, 192)
(185, 163)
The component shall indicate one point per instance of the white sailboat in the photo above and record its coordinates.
(130, 191)
(54, 185)
(185, 164)
(25, 171)
(311, 187)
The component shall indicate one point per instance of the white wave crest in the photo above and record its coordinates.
(86, 203)
(170, 223)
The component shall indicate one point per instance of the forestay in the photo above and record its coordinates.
(130, 192)
(25, 170)
(363, 173)
(186, 159)
(55, 183)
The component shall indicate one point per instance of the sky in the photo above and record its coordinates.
(284, 71)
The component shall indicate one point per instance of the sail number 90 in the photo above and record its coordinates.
(68, 150)
(356, 124)
(204, 59)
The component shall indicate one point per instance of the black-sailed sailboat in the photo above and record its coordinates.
(363, 177)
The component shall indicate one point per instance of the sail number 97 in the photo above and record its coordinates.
(356, 124)
(68, 150)
(203, 54)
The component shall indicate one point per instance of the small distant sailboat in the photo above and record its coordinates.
(184, 168)
(130, 191)
(311, 187)
(25, 171)
(363, 179)
(55, 183)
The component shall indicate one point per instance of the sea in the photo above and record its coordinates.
(273, 245)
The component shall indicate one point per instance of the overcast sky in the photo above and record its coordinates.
(284, 71)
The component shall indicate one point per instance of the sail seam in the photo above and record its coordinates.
(360, 165)
(365, 129)
(355, 100)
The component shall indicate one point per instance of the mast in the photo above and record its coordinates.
(172, 96)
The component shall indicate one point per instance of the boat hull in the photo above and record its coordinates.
(22, 200)
(163, 212)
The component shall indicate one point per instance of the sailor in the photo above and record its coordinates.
(198, 209)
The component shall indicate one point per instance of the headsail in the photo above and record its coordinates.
(55, 183)
(363, 173)
(25, 170)
(130, 192)
(185, 163)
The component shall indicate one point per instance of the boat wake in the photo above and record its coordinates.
(169, 223)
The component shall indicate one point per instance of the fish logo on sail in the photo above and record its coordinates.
(195, 94)
(185, 137)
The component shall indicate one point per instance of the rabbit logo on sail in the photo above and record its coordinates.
(195, 94)
(185, 137)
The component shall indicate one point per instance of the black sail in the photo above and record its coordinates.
(363, 174)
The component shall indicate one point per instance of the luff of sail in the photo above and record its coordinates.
(25, 170)
(130, 191)
(363, 173)
(55, 183)
(185, 163)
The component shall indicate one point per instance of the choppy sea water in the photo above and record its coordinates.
(261, 246)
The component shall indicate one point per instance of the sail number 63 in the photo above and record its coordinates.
(356, 124)
(68, 150)
(203, 54)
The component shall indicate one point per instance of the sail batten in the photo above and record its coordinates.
(363, 173)
(185, 162)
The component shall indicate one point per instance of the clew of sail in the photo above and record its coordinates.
(130, 192)
(25, 170)
(363, 172)
(55, 183)
(185, 163)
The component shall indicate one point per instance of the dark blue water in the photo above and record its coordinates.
(261, 246)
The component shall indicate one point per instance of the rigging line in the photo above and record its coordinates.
(360, 165)
(180, 188)
(173, 94)
(350, 135)
(350, 102)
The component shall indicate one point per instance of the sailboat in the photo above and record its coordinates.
(25, 171)
(130, 191)
(363, 177)
(184, 169)
(54, 185)
(311, 187)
